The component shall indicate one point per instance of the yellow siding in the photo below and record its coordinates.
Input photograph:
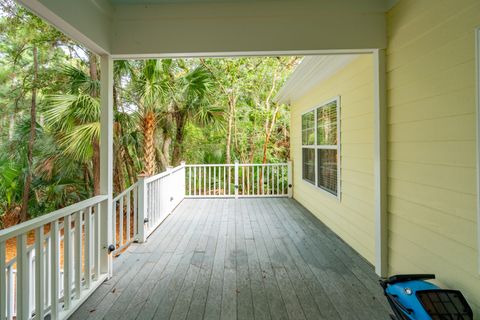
(353, 217)
(431, 98)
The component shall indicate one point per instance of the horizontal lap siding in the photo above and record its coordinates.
(431, 115)
(353, 217)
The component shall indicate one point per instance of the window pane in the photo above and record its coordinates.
(308, 164)
(308, 128)
(327, 170)
(327, 124)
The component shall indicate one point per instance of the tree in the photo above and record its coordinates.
(146, 93)
(74, 119)
(189, 101)
(24, 36)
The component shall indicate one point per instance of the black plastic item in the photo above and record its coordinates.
(111, 248)
(399, 310)
(445, 304)
(405, 277)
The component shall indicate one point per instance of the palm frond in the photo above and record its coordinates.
(78, 142)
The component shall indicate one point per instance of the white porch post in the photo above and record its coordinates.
(106, 159)
(290, 178)
(236, 179)
(477, 62)
(380, 164)
(142, 199)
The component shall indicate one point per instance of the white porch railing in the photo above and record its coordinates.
(125, 211)
(161, 194)
(238, 180)
(140, 209)
(33, 284)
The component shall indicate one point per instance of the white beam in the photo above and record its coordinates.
(106, 158)
(380, 164)
(477, 45)
(206, 29)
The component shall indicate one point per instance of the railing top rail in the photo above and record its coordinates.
(210, 165)
(262, 164)
(163, 174)
(240, 164)
(55, 215)
(173, 170)
(124, 192)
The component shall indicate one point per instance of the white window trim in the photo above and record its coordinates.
(338, 196)
(477, 59)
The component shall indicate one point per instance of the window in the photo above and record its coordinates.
(320, 147)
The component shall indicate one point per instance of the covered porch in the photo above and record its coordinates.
(248, 258)
(252, 255)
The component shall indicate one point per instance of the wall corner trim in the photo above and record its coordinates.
(380, 163)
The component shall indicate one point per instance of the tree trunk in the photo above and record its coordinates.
(231, 114)
(11, 128)
(31, 141)
(165, 151)
(92, 59)
(130, 166)
(86, 177)
(179, 136)
(148, 129)
(118, 177)
(269, 134)
(96, 167)
(252, 149)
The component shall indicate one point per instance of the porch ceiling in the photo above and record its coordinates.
(155, 28)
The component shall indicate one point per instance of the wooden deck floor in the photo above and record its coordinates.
(239, 259)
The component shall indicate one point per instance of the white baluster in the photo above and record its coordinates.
(55, 269)
(189, 181)
(97, 245)
(135, 212)
(290, 179)
(114, 222)
(128, 216)
(88, 248)
(120, 229)
(11, 293)
(78, 254)
(243, 180)
(67, 260)
(22, 278)
(236, 179)
(3, 281)
(204, 180)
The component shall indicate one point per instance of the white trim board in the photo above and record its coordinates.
(380, 163)
(312, 71)
(477, 68)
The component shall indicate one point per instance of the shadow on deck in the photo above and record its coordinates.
(239, 259)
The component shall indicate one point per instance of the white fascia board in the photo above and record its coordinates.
(87, 22)
(224, 28)
(312, 71)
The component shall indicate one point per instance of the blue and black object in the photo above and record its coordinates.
(413, 298)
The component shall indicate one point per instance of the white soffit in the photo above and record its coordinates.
(311, 72)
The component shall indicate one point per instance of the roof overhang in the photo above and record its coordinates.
(158, 28)
(312, 71)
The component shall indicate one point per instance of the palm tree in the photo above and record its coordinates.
(185, 90)
(74, 119)
(189, 95)
(147, 93)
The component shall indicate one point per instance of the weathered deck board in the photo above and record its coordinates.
(239, 259)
